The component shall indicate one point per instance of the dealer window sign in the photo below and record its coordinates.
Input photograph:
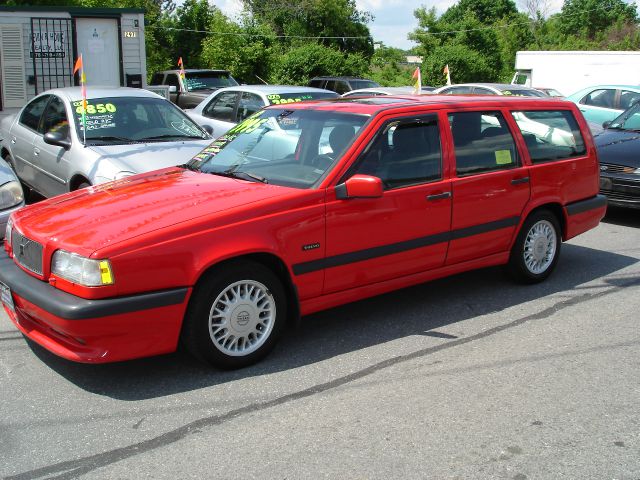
(48, 44)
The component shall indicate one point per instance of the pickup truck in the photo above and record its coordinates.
(197, 85)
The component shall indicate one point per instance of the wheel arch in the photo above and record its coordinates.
(273, 263)
(76, 180)
(555, 208)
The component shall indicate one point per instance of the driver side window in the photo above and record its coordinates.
(405, 153)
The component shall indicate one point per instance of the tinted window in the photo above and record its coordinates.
(483, 91)
(523, 93)
(157, 79)
(222, 107)
(316, 83)
(249, 104)
(628, 98)
(458, 90)
(550, 135)
(600, 98)
(55, 117)
(482, 142)
(172, 79)
(405, 153)
(33, 111)
(356, 84)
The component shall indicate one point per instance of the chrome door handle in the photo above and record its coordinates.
(13, 140)
(439, 196)
(36, 151)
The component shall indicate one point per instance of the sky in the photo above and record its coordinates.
(393, 18)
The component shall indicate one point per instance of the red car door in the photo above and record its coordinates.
(405, 230)
(491, 186)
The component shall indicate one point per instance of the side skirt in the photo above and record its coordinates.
(324, 302)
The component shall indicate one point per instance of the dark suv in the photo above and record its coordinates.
(342, 84)
(195, 87)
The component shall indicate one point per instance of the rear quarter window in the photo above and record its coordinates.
(550, 134)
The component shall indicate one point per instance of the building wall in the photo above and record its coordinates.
(132, 46)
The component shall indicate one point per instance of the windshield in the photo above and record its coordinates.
(283, 98)
(283, 147)
(120, 120)
(358, 84)
(208, 80)
(628, 120)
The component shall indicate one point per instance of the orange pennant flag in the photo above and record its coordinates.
(78, 65)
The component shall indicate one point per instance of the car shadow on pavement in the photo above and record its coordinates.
(625, 217)
(425, 309)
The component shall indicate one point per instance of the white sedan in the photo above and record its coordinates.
(229, 106)
(128, 131)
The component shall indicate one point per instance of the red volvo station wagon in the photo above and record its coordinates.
(300, 208)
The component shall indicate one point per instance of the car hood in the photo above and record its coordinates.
(619, 147)
(87, 220)
(143, 157)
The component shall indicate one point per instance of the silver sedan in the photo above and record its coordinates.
(229, 106)
(128, 131)
(11, 196)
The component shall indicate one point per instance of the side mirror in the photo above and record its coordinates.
(360, 186)
(606, 124)
(172, 89)
(208, 129)
(57, 139)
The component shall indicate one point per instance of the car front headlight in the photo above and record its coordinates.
(10, 195)
(81, 270)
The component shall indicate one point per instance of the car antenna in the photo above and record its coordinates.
(261, 79)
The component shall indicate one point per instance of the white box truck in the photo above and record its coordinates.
(570, 71)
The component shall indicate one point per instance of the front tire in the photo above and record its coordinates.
(536, 250)
(236, 315)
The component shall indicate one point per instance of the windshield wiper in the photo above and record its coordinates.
(241, 175)
(106, 138)
(170, 135)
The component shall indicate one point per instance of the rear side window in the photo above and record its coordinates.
(628, 98)
(550, 134)
(600, 98)
(222, 107)
(482, 142)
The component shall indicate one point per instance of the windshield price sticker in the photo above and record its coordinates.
(248, 126)
(276, 99)
(95, 109)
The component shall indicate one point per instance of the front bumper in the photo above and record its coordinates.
(621, 190)
(93, 331)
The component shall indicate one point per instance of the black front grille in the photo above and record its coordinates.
(613, 168)
(26, 252)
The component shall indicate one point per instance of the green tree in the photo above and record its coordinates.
(246, 50)
(335, 20)
(297, 65)
(589, 17)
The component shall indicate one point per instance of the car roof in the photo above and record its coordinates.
(75, 93)
(497, 86)
(271, 89)
(373, 105)
(383, 90)
(339, 78)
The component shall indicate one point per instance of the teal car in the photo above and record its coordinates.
(603, 103)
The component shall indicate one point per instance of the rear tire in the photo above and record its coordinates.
(236, 315)
(535, 253)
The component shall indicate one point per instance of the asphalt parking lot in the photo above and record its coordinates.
(466, 377)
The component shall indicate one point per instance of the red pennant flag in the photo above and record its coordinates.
(78, 65)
